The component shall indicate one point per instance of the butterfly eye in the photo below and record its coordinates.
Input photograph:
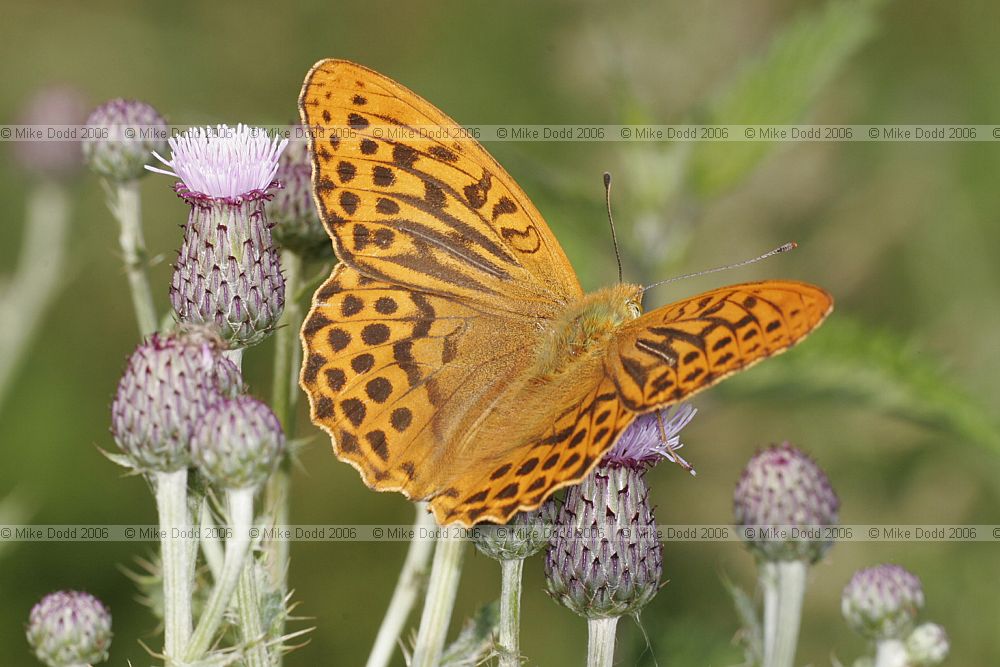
(634, 310)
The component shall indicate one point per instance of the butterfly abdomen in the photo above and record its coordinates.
(584, 327)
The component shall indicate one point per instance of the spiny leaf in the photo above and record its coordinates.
(779, 86)
(750, 635)
(475, 641)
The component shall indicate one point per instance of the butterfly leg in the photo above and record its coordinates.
(672, 451)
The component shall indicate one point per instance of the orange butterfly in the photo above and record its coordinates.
(452, 354)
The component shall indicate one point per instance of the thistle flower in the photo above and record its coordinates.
(169, 383)
(782, 486)
(227, 273)
(297, 226)
(605, 558)
(521, 537)
(121, 156)
(58, 105)
(238, 443)
(927, 645)
(70, 629)
(882, 602)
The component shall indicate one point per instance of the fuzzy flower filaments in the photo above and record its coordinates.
(605, 559)
(228, 273)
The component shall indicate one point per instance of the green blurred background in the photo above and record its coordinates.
(895, 397)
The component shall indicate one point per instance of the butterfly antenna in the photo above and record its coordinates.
(611, 221)
(782, 248)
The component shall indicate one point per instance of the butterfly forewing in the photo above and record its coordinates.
(410, 198)
(674, 351)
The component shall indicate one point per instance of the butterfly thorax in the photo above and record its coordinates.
(584, 327)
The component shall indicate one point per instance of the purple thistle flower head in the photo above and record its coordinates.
(223, 162)
(70, 628)
(644, 443)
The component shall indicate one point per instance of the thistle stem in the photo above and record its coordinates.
(175, 554)
(768, 578)
(248, 606)
(240, 506)
(510, 612)
(411, 580)
(26, 295)
(126, 207)
(440, 601)
(791, 586)
(284, 400)
(890, 653)
(601, 641)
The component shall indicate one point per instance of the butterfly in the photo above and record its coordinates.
(452, 354)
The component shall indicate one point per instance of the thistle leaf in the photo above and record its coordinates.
(778, 87)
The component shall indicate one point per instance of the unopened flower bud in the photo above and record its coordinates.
(127, 132)
(238, 443)
(882, 602)
(168, 384)
(58, 108)
(70, 629)
(927, 645)
(605, 558)
(297, 226)
(521, 537)
(782, 486)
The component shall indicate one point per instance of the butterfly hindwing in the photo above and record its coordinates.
(435, 214)
(672, 352)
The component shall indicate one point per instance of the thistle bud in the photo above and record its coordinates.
(927, 645)
(238, 443)
(58, 105)
(227, 273)
(70, 629)
(128, 131)
(882, 602)
(605, 558)
(782, 486)
(297, 226)
(168, 385)
(521, 537)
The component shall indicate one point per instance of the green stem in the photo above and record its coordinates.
(891, 653)
(284, 400)
(176, 559)
(127, 208)
(411, 579)
(240, 506)
(248, 606)
(510, 612)
(601, 641)
(768, 578)
(27, 294)
(791, 577)
(440, 601)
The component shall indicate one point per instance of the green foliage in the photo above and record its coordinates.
(750, 635)
(848, 360)
(475, 640)
(778, 88)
